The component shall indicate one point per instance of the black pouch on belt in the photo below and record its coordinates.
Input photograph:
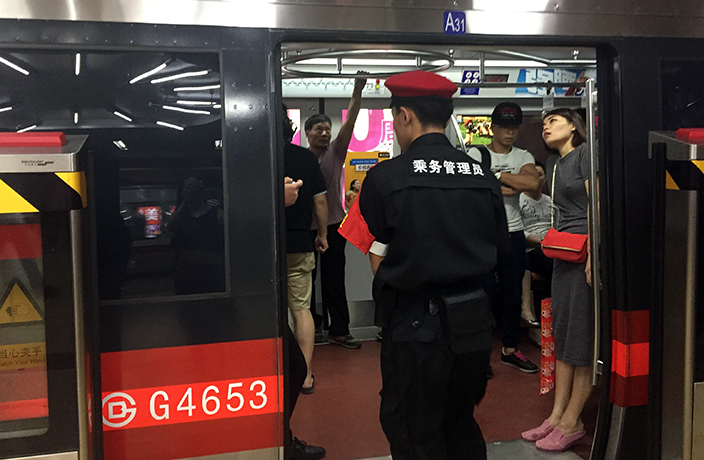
(468, 315)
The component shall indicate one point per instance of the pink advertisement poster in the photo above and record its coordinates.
(374, 131)
(295, 116)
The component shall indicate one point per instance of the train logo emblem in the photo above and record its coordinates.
(120, 411)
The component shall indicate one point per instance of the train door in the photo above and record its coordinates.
(182, 248)
(46, 346)
(318, 78)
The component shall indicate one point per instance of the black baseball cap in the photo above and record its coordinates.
(507, 114)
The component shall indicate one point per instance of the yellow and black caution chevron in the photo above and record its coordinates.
(685, 175)
(41, 192)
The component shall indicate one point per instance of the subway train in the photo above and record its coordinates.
(113, 347)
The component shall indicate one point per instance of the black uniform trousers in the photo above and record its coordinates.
(428, 398)
(332, 283)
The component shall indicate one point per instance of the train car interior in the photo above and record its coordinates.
(318, 78)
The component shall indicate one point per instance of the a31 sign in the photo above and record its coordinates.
(455, 22)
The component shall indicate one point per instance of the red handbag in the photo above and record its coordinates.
(569, 247)
(565, 246)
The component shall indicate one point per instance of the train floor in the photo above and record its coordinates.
(342, 413)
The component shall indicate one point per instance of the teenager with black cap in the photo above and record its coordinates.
(441, 216)
(515, 169)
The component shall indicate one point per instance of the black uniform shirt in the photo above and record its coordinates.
(439, 211)
(300, 163)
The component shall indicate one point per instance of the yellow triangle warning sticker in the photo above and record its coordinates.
(17, 308)
(670, 183)
(12, 202)
(77, 181)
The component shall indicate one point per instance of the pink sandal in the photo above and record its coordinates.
(538, 433)
(558, 442)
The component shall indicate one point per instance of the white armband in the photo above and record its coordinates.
(379, 249)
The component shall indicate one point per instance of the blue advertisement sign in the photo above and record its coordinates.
(455, 22)
(470, 76)
(553, 75)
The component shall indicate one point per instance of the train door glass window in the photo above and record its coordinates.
(153, 121)
(159, 180)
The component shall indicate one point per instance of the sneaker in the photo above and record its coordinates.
(519, 361)
(302, 451)
(346, 341)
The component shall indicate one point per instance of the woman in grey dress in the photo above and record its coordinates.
(564, 132)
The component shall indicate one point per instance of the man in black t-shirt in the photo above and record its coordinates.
(301, 169)
(301, 164)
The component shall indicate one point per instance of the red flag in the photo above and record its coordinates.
(354, 229)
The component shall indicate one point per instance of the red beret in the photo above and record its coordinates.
(420, 83)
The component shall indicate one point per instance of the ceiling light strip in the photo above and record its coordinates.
(28, 128)
(197, 88)
(78, 64)
(169, 125)
(5, 109)
(178, 76)
(181, 109)
(122, 115)
(14, 66)
(120, 145)
(148, 74)
(196, 103)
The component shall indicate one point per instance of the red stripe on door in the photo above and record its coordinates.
(630, 358)
(28, 408)
(23, 241)
(220, 398)
(198, 439)
(125, 370)
(629, 391)
(631, 326)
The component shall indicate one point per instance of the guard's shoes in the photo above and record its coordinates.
(346, 341)
(519, 361)
(302, 451)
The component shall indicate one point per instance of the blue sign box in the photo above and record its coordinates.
(455, 22)
(470, 76)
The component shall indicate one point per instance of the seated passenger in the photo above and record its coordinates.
(535, 215)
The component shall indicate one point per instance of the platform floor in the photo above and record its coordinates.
(342, 414)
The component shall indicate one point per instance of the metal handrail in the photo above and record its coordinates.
(594, 223)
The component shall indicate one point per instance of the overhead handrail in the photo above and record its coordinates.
(419, 56)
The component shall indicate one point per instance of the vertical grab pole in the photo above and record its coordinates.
(458, 132)
(594, 222)
(79, 324)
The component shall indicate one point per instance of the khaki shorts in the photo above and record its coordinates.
(300, 282)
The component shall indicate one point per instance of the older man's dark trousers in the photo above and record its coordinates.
(428, 398)
(332, 283)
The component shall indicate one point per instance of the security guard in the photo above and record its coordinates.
(441, 217)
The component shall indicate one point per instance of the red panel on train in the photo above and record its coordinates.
(35, 139)
(691, 135)
(20, 241)
(191, 401)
